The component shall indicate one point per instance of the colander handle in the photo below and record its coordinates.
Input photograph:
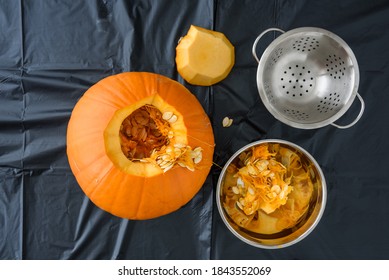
(357, 118)
(259, 37)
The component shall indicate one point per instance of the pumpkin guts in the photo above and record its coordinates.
(146, 136)
(143, 131)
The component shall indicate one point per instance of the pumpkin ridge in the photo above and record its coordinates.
(100, 100)
(92, 161)
(111, 91)
(140, 200)
(98, 185)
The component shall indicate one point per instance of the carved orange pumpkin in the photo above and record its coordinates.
(139, 144)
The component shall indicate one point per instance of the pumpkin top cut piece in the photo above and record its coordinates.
(204, 57)
(139, 144)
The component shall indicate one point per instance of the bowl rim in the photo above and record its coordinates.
(311, 227)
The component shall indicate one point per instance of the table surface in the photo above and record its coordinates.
(51, 52)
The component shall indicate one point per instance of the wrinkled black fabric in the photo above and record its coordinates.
(51, 52)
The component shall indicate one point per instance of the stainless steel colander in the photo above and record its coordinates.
(308, 77)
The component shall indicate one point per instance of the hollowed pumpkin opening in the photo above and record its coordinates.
(139, 144)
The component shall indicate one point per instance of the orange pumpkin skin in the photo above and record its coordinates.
(106, 184)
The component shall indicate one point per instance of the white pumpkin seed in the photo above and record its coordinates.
(166, 157)
(251, 170)
(240, 182)
(198, 159)
(173, 119)
(167, 115)
(227, 122)
(167, 168)
(198, 149)
(179, 145)
(235, 190)
(276, 189)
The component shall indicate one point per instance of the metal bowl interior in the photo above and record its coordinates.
(308, 77)
(303, 227)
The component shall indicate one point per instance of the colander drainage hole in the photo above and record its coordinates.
(296, 114)
(335, 66)
(328, 103)
(305, 44)
(295, 80)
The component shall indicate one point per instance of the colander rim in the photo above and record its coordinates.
(261, 68)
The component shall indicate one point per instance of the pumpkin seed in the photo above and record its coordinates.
(242, 156)
(173, 119)
(167, 115)
(198, 159)
(168, 168)
(235, 190)
(276, 189)
(198, 149)
(166, 157)
(240, 182)
(251, 170)
(134, 131)
(142, 120)
(227, 122)
(265, 173)
(143, 134)
(179, 145)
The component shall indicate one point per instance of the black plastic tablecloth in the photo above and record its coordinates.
(51, 52)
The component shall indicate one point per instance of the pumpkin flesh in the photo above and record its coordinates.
(204, 57)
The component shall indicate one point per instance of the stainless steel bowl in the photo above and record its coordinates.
(303, 227)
